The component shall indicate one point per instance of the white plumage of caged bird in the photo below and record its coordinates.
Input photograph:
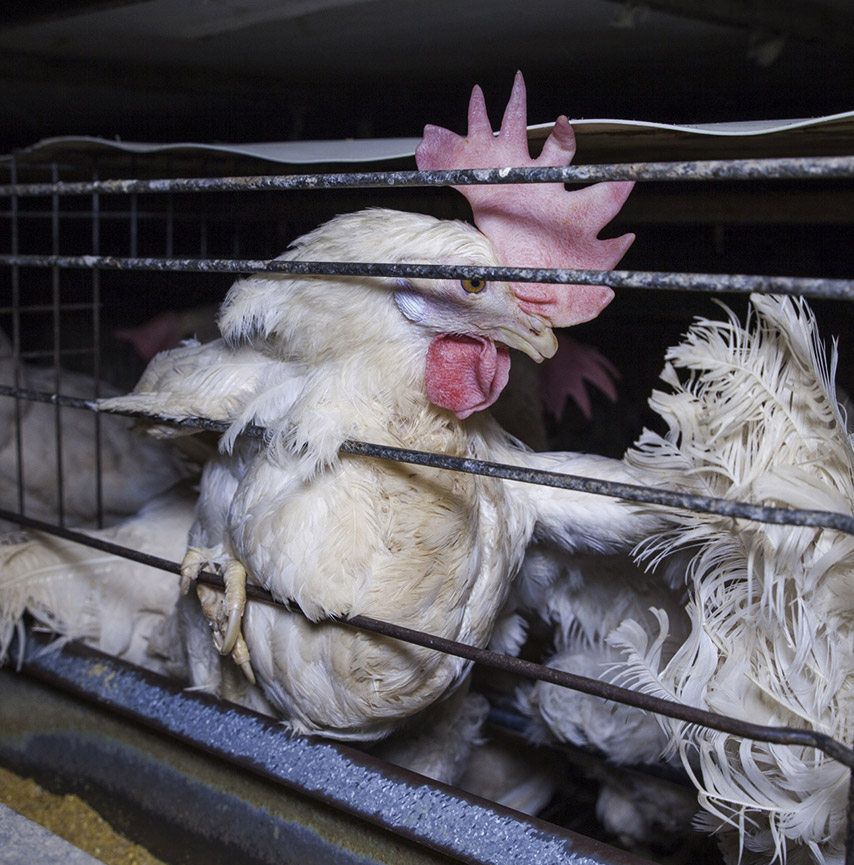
(109, 602)
(340, 535)
(581, 600)
(753, 415)
(134, 467)
(411, 363)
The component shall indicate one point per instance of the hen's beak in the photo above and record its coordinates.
(530, 334)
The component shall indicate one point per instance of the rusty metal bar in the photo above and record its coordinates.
(709, 169)
(57, 344)
(16, 343)
(630, 492)
(830, 289)
(505, 663)
(96, 353)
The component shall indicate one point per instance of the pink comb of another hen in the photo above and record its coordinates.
(534, 225)
(567, 374)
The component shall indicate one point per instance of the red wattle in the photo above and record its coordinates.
(465, 373)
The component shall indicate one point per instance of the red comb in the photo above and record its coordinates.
(539, 224)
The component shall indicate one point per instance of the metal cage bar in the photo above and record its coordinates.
(827, 289)
(15, 275)
(708, 170)
(57, 338)
(96, 352)
(729, 169)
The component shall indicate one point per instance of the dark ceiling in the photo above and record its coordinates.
(250, 70)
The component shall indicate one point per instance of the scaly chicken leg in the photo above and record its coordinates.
(224, 614)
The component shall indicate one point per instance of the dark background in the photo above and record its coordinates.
(251, 70)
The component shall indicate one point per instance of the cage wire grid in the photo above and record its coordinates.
(114, 207)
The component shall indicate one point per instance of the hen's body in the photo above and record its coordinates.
(321, 360)
(420, 547)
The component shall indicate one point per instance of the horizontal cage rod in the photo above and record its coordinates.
(45, 307)
(518, 666)
(829, 289)
(119, 214)
(49, 353)
(710, 169)
(630, 492)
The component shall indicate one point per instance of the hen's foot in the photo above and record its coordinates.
(194, 561)
(224, 613)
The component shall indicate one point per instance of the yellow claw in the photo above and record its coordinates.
(223, 614)
(234, 577)
(240, 654)
(191, 564)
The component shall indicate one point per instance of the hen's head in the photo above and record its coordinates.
(473, 321)
(457, 331)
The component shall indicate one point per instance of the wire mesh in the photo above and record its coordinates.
(150, 226)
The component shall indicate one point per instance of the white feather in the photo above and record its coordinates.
(134, 468)
(110, 602)
(753, 415)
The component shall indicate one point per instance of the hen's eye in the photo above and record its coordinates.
(473, 286)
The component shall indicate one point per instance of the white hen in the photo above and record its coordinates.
(340, 535)
(408, 363)
(111, 603)
(135, 468)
